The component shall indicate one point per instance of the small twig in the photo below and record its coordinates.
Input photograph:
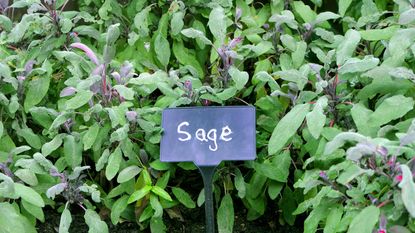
(243, 101)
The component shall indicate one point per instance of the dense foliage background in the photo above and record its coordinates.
(83, 84)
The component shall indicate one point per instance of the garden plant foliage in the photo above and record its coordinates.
(82, 87)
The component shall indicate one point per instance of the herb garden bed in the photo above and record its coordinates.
(83, 84)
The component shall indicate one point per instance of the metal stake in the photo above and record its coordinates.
(207, 175)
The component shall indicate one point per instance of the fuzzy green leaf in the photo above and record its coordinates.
(162, 49)
(128, 173)
(38, 88)
(287, 127)
(407, 186)
(114, 163)
(79, 100)
(226, 215)
(94, 222)
(217, 24)
(183, 197)
(365, 221)
(29, 195)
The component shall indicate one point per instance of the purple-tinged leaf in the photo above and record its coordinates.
(98, 70)
(125, 70)
(29, 66)
(131, 116)
(238, 14)
(87, 51)
(56, 190)
(407, 186)
(67, 91)
(235, 42)
(117, 77)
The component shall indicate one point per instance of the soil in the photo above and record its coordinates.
(194, 222)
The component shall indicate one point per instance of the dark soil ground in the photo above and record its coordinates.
(194, 223)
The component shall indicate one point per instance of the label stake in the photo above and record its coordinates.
(207, 174)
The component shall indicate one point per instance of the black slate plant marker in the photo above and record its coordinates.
(207, 136)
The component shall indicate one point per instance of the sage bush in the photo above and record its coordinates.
(83, 84)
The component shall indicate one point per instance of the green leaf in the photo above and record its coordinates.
(226, 215)
(114, 162)
(407, 186)
(399, 229)
(365, 221)
(278, 169)
(38, 87)
(299, 54)
(156, 206)
(407, 17)
(113, 33)
(347, 47)
(11, 221)
(286, 17)
(360, 115)
(90, 136)
(29, 195)
(65, 25)
(53, 145)
(316, 118)
(379, 34)
(217, 24)
(79, 100)
(354, 65)
(160, 166)
(304, 11)
(157, 225)
(239, 77)
(6, 23)
(55, 190)
(350, 173)
(94, 222)
(324, 16)
(163, 180)
(19, 150)
(72, 149)
(187, 57)
(183, 197)
(314, 217)
(161, 193)
(177, 23)
(333, 219)
(20, 29)
(227, 93)
(196, 34)
(141, 22)
(117, 208)
(287, 127)
(102, 160)
(340, 139)
(162, 49)
(1, 129)
(5, 71)
(240, 183)
(128, 173)
(27, 176)
(36, 211)
(139, 194)
(274, 188)
(66, 220)
(31, 138)
(293, 76)
(343, 6)
(391, 108)
(125, 92)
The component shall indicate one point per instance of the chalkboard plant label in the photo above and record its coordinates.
(208, 135)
